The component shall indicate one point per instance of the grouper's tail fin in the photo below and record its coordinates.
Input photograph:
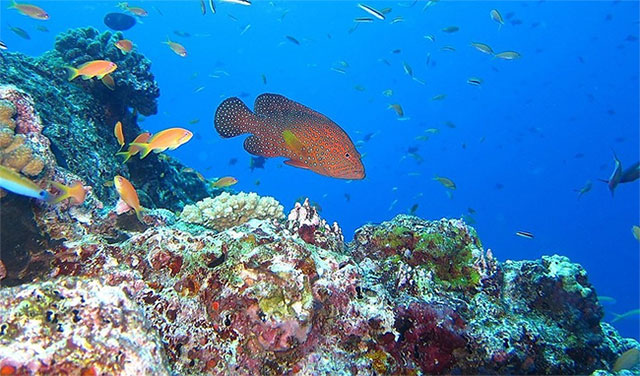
(234, 118)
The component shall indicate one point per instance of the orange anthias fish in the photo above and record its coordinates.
(227, 181)
(76, 193)
(128, 194)
(135, 10)
(176, 47)
(133, 149)
(124, 45)
(30, 10)
(117, 131)
(281, 127)
(168, 139)
(95, 68)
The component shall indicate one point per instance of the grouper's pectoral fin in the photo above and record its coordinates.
(295, 163)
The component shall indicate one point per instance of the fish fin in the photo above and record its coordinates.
(256, 146)
(144, 148)
(86, 77)
(64, 193)
(108, 82)
(234, 118)
(72, 73)
(13, 5)
(295, 163)
(276, 105)
(126, 154)
(139, 213)
(293, 142)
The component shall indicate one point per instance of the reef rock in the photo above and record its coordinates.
(74, 326)
(284, 297)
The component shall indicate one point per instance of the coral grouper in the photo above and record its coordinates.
(281, 127)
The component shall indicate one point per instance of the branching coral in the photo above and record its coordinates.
(226, 211)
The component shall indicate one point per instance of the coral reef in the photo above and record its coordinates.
(135, 84)
(274, 297)
(232, 286)
(227, 210)
(22, 145)
(88, 328)
(80, 115)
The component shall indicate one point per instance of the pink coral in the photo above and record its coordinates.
(27, 121)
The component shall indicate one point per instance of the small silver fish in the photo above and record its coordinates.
(508, 55)
(497, 17)
(525, 234)
(241, 2)
(377, 14)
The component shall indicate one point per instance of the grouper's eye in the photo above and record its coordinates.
(347, 155)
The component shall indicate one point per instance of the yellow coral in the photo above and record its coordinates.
(7, 110)
(18, 158)
(6, 137)
(34, 167)
(17, 151)
(18, 140)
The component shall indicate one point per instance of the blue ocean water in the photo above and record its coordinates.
(537, 129)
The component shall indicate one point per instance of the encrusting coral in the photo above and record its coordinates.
(16, 152)
(94, 328)
(226, 210)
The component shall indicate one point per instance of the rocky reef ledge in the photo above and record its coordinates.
(258, 294)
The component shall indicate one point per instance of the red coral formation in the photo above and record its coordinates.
(429, 336)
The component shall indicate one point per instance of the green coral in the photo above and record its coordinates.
(394, 239)
(450, 258)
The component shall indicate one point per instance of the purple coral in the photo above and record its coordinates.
(428, 336)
